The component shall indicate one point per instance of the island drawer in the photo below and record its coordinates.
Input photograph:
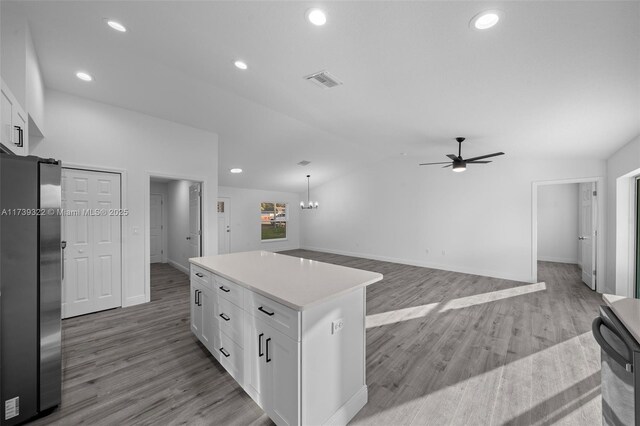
(230, 355)
(201, 275)
(227, 289)
(230, 320)
(280, 317)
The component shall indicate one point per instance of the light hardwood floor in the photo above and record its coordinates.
(442, 348)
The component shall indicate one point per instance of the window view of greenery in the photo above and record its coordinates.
(273, 221)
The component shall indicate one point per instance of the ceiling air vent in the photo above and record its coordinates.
(304, 163)
(323, 79)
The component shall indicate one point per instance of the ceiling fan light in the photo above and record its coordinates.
(459, 167)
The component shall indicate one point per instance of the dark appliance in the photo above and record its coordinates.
(30, 287)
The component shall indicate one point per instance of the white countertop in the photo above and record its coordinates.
(627, 310)
(293, 281)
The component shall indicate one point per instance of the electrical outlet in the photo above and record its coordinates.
(337, 326)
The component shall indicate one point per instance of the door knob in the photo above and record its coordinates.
(188, 238)
(582, 238)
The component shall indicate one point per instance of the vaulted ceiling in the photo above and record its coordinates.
(552, 79)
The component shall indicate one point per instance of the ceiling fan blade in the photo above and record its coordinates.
(484, 156)
(429, 164)
(448, 165)
(478, 162)
(453, 157)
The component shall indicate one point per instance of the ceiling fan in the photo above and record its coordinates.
(458, 163)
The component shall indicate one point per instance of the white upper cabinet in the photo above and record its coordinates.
(23, 87)
(14, 132)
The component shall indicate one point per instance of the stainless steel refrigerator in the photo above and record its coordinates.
(30, 287)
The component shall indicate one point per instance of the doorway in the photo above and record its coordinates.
(92, 229)
(585, 246)
(175, 221)
(157, 227)
(224, 231)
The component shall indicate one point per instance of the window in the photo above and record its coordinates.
(273, 221)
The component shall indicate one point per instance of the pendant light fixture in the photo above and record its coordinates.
(310, 204)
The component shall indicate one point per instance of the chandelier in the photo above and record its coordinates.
(310, 204)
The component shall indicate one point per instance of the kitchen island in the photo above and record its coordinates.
(290, 331)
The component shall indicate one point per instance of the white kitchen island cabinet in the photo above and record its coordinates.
(290, 331)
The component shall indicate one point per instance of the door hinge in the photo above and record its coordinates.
(594, 272)
(199, 232)
(595, 193)
(161, 226)
(161, 251)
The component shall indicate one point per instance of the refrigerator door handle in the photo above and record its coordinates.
(63, 245)
(615, 355)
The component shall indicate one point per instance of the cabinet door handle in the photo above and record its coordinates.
(225, 353)
(198, 274)
(195, 297)
(224, 316)
(199, 302)
(267, 344)
(264, 311)
(223, 288)
(20, 142)
(260, 354)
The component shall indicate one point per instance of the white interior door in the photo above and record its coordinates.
(195, 232)
(224, 232)
(92, 229)
(156, 227)
(587, 237)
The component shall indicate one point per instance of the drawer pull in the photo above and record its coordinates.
(264, 311)
(223, 288)
(267, 344)
(225, 353)
(260, 353)
(198, 274)
(224, 317)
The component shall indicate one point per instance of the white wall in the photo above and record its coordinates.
(398, 211)
(178, 223)
(92, 134)
(161, 188)
(558, 223)
(621, 167)
(244, 208)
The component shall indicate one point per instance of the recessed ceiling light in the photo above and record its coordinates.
(317, 17)
(116, 26)
(241, 65)
(236, 170)
(84, 76)
(485, 20)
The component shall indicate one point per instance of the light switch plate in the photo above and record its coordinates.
(337, 325)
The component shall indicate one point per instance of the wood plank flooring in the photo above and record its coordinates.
(442, 348)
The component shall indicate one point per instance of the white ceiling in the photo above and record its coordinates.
(555, 79)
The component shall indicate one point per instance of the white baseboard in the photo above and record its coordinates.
(134, 300)
(463, 270)
(350, 408)
(178, 266)
(557, 259)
